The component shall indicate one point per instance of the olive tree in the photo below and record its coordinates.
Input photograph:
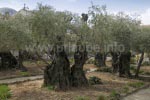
(15, 34)
(122, 33)
(82, 31)
(100, 22)
(50, 28)
(141, 45)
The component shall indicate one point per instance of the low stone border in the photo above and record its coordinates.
(17, 76)
(135, 91)
(21, 79)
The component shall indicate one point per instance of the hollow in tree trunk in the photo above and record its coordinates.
(57, 73)
(78, 78)
(139, 64)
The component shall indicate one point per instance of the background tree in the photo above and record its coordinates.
(141, 44)
(122, 33)
(15, 35)
(100, 22)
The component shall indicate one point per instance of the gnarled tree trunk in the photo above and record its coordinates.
(20, 61)
(124, 64)
(58, 72)
(78, 78)
(115, 62)
(100, 59)
(7, 60)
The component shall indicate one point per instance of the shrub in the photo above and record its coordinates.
(136, 84)
(4, 92)
(82, 98)
(94, 80)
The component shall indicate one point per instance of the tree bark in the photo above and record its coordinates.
(115, 62)
(124, 64)
(100, 59)
(58, 72)
(139, 64)
(20, 61)
(7, 60)
(78, 78)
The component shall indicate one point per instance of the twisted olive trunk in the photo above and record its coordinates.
(58, 72)
(20, 61)
(124, 64)
(100, 59)
(78, 78)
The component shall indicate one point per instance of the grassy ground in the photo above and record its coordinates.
(32, 90)
(112, 86)
(4, 92)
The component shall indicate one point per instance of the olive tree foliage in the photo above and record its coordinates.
(123, 29)
(14, 33)
(141, 41)
(47, 24)
(100, 22)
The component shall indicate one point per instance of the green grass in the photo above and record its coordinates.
(82, 98)
(24, 73)
(136, 84)
(4, 92)
(114, 95)
(50, 87)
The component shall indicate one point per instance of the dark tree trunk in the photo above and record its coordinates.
(78, 78)
(115, 62)
(100, 59)
(124, 64)
(57, 74)
(139, 64)
(7, 60)
(20, 61)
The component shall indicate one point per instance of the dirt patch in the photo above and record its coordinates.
(145, 68)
